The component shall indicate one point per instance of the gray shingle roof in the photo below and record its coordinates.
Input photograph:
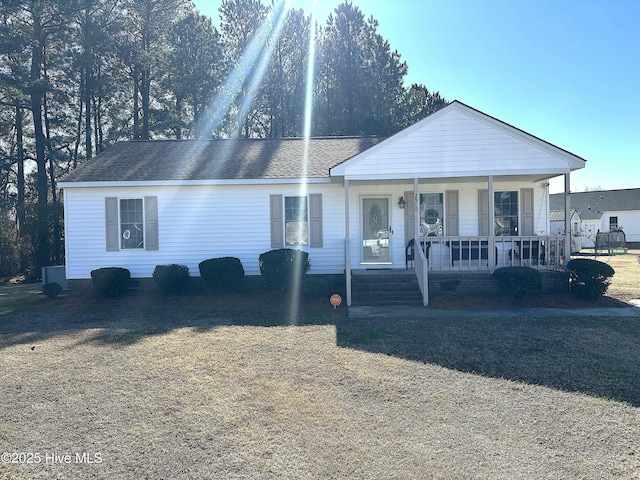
(236, 159)
(591, 205)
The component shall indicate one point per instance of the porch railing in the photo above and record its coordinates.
(481, 253)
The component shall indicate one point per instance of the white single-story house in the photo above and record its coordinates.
(557, 227)
(466, 190)
(604, 211)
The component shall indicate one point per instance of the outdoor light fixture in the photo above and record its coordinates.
(401, 202)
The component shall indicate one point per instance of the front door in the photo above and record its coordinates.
(376, 230)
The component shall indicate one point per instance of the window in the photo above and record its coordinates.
(613, 223)
(431, 214)
(131, 223)
(506, 213)
(296, 220)
(296, 226)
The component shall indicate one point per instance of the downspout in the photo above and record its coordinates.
(347, 247)
(567, 218)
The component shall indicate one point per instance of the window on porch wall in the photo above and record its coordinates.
(431, 214)
(506, 213)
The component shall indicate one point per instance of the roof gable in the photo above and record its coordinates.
(236, 159)
(459, 141)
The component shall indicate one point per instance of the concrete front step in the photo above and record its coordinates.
(385, 289)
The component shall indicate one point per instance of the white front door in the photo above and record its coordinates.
(376, 229)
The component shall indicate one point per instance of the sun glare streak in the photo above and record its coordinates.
(266, 37)
(308, 111)
(258, 52)
(243, 85)
(308, 108)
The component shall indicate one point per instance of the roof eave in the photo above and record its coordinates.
(187, 183)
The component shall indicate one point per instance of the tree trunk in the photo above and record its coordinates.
(36, 95)
(20, 209)
(145, 93)
(97, 126)
(136, 99)
(87, 113)
(76, 146)
(52, 213)
(179, 102)
(88, 83)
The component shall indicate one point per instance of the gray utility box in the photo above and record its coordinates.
(57, 274)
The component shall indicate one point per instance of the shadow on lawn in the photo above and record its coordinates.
(596, 356)
(130, 319)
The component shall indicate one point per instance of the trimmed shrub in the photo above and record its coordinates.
(517, 281)
(52, 290)
(589, 279)
(111, 282)
(224, 274)
(172, 279)
(281, 268)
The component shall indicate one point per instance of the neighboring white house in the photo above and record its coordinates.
(604, 211)
(472, 189)
(557, 226)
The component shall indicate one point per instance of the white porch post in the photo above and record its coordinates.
(347, 247)
(416, 216)
(491, 253)
(424, 268)
(567, 218)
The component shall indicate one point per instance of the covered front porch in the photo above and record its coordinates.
(389, 227)
(459, 191)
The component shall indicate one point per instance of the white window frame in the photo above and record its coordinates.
(517, 215)
(427, 229)
(125, 234)
(297, 228)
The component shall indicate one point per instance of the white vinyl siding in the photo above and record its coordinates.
(627, 220)
(456, 142)
(200, 222)
(197, 223)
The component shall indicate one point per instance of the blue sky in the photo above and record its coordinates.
(567, 71)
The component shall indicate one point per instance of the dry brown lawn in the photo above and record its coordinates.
(627, 277)
(181, 388)
(624, 287)
(236, 387)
